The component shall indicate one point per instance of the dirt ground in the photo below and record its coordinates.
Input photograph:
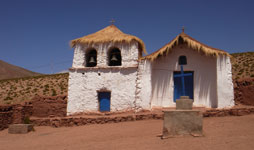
(220, 133)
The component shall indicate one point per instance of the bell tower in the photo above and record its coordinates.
(104, 71)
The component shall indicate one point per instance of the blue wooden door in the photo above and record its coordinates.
(104, 101)
(188, 82)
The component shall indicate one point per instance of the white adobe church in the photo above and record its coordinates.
(109, 74)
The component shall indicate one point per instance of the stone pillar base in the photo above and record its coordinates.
(184, 103)
(20, 128)
(182, 122)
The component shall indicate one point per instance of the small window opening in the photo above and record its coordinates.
(91, 58)
(115, 58)
(182, 60)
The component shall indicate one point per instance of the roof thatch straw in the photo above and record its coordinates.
(109, 34)
(191, 43)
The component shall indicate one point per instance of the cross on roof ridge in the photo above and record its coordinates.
(183, 29)
(112, 21)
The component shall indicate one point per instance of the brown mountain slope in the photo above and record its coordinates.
(242, 65)
(24, 89)
(8, 71)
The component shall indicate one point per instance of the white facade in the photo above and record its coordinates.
(225, 88)
(144, 84)
(211, 76)
(86, 82)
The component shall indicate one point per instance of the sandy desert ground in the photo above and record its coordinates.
(220, 133)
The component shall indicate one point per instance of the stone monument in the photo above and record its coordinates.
(183, 120)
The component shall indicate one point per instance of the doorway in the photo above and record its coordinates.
(104, 101)
(188, 83)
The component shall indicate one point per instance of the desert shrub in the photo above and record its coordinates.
(8, 98)
(53, 92)
(27, 120)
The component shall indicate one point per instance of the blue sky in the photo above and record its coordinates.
(35, 34)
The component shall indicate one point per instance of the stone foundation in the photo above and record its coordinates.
(86, 120)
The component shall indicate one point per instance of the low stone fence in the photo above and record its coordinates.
(5, 116)
(39, 107)
(86, 120)
(14, 114)
(45, 106)
(228, 112)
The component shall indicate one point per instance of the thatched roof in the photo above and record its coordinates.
(109, 34)
(191, 43)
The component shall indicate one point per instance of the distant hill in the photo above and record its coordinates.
(242, 65)
(24, 89)
(8, 71)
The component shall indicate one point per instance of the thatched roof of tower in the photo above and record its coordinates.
(191, 43)
(109, 34)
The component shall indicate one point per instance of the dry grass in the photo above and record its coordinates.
(24, 89)
(109, 34)
(242, 65)
(191, 43)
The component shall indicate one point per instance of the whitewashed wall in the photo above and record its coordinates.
(144, 87)
(224, 81)
(84, 83)
(204, 67)
(129, 52)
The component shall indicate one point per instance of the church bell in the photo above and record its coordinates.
(92, 60)
(114, 58)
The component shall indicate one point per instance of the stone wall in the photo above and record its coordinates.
(87, 120)
(38, 107)
(244, 91)
(14, 114)
(5, 116)
(53, 106)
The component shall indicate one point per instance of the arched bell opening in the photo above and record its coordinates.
(114, 57)
(91, 58)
